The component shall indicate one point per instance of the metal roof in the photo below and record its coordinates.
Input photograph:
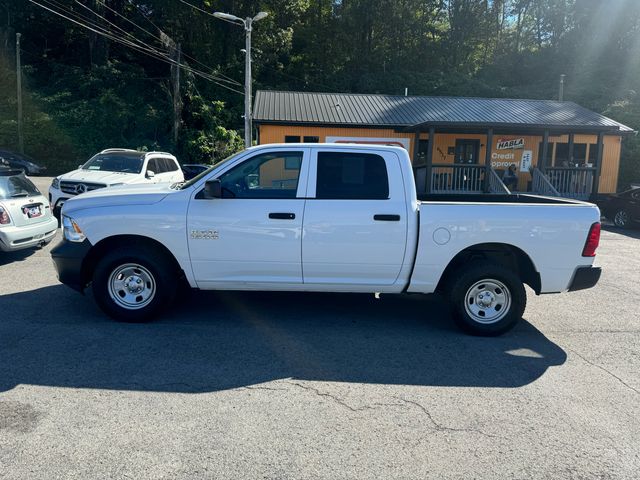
(348, 109)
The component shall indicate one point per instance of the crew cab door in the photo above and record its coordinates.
(355, 221)
(253, 235)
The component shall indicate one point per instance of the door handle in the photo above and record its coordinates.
(386, 218)
(282, 216)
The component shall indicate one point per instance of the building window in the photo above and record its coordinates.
(423, 148)
(562, 154)
(593, 153)
(292, 139)
(311, 139)
(350, 176)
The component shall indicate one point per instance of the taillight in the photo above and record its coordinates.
(4, 217)
(593, 239)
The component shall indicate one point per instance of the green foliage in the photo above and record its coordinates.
(84, 93)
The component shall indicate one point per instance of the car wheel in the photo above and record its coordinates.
(136, 285)
(486, 299)
(621, 219)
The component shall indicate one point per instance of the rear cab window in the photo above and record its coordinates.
(351, 176)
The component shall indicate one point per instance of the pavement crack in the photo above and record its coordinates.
(604, 370)
(443, 428)
(334, 398)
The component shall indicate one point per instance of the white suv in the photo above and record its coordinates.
(112, 167)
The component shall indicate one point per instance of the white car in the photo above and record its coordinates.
(25, 214)
(325, 217)
(113, 167)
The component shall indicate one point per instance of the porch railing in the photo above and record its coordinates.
(457, 178)
(496, 185)
(452, 178)
(576, 182)
(541, 184)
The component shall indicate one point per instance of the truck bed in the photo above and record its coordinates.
(495, 198)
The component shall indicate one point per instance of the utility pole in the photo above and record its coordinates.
(175, 52)
(247, 23)
(247, 84)
(561, 91)
(19, 92)
(177, 99)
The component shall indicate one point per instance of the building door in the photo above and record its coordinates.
(467, 151)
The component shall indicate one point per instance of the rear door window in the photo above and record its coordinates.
(351, 176)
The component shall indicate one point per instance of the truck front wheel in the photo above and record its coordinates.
(134, 285)
(487, 299)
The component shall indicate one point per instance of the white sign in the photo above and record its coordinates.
(526, 161)
(400, 142)
(510, 144)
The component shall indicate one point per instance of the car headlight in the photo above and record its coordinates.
(56, 183)
(71, 230)
(116, 184)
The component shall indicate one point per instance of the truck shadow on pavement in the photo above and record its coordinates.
(223, 340)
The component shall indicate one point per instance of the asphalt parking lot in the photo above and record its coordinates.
(279, 386)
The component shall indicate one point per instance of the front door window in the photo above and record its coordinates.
(467, 151)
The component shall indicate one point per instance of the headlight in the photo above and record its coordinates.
(71, 230)
(116, 184)
(56, 183)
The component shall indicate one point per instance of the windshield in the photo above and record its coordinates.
(17, 186)
(107, 162)
(206, 172)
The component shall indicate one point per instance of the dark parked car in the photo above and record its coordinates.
(192, 170)
(623, 209)
(22, 162)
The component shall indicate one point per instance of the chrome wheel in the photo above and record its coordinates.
(487, 301)
(131, 286)
(621, 219)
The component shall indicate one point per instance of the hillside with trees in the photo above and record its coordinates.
(102, 76)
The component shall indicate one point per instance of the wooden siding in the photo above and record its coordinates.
(610, 157)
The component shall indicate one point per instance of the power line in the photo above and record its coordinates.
(138, 46)
(203, 11)
(265, 66)
(223, 77)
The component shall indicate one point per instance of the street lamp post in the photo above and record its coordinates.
(247, 23)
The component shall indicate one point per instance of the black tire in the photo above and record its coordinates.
(488, 280)
(621, 218)
(159, 280)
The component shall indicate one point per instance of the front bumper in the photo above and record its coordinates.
(14, 238)
(68, 258)
(585, 277)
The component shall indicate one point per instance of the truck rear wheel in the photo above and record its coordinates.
(134, 285)
(486, 299)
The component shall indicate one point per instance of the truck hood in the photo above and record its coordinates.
(101, 177)
(144, 194)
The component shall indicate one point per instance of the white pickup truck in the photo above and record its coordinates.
(324, 218)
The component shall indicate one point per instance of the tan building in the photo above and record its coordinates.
(581, 147)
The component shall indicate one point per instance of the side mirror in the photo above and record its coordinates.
(212, 189)
(151, 174)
